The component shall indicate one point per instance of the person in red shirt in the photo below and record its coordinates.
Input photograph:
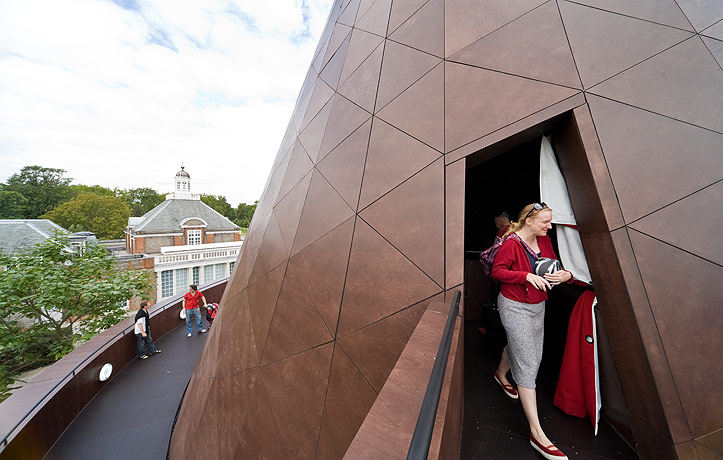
(521, 304)
(190, 303)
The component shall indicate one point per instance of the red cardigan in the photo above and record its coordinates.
(512, 265)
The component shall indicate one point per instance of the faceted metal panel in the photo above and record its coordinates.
(348, 400)
(697, 239)
(535, 46)
(324, 209)
(419, 111)
(402, 67)
(402, 10)
(362, 45)
(288, 210)
(361, 86)
(296, 324)
(286, 406)
(716, 48)
(262, 296)
(466, 21)
(299, 165)
(660, 11)
(411, 217)
(332, 70)
(345, 117)
(380, 281)
(606, 43)
(702, 13)
(424, 30)
(714, 31)
(683, 314)
(678, 83)
(361, 222)
(643, 150)
(479, 101)
(321, 267)
(344, 166)
(454, 188)
(375, 348)
(392, 158)
(376, 18)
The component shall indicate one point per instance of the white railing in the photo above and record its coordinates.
(196, 256)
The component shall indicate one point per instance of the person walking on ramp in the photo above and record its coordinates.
(143, 332)
(190, 303)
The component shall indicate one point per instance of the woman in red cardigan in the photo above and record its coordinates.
(521, 305)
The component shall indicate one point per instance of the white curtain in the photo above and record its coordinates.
(553, 191)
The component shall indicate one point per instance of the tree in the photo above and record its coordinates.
(44, 189)
(106, 216)
(140, 200)
(12, 204)
(219, 204)
(54, 289)
(244, 213)
(92, 189)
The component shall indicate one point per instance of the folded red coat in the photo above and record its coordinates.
(578, 388)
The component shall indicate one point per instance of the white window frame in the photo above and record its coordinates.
(181, 280)
(196, 275)
(166, 283)
(193, 237)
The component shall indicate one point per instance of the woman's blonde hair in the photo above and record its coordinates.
(528, 211)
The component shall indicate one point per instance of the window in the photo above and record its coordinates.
(194, 237)
(196, 275)
(230, 267)
(166, 283)
(181, 280)
(220, 271)
(208, 273)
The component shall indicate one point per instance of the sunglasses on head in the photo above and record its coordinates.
(536, 207)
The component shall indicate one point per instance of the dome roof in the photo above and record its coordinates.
(182, 173)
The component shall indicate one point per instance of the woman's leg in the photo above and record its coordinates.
(503, 368)
(528, 397)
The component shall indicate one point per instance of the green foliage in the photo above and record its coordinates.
(140, 200)
(106, 216)
(91, 189)
(244, 213)
(44, 189)
(219, 204)
(46, 291)
(12, 204)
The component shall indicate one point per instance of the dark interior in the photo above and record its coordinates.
(507, 181)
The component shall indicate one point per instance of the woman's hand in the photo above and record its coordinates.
(539, 282)
(558, 277)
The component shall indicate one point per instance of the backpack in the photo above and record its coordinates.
(487, 257)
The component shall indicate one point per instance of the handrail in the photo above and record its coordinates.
(164, 305)
(422, 437)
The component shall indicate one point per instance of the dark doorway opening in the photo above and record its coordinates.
(506, 179)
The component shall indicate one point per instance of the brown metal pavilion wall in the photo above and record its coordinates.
(360, 225)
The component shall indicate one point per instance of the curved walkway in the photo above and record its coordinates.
(133, 415)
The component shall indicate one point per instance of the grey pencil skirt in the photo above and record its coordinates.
(524, 324)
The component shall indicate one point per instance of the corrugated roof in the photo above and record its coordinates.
(167, 216)
(22, 234)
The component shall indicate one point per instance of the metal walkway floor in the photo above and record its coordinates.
(133, 415)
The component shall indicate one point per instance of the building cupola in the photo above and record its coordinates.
(182, 186)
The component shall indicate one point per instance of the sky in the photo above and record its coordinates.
(120, 93)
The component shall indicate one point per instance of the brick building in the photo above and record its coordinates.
(189, 242)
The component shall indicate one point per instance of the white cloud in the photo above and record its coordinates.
(120, 96)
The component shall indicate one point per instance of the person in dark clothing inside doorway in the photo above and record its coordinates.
(143, 333)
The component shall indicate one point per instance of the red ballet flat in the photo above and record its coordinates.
(508, 389)
(550, 452)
